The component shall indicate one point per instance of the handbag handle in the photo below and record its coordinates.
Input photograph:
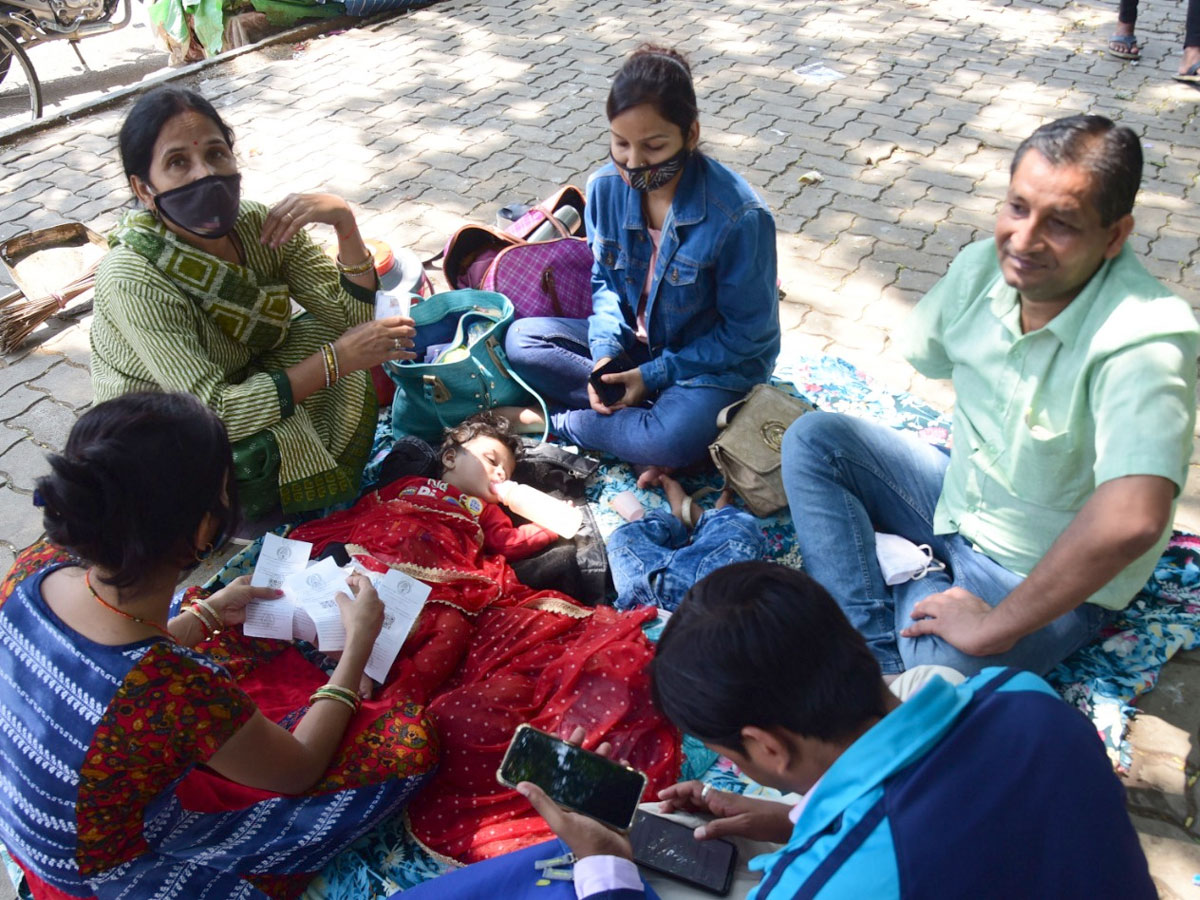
(549, 289)
(501, 362)
(725, 416)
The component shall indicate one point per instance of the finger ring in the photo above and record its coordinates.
(704, 791)
(396, 344)
(288, 216)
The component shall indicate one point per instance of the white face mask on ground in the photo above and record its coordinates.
(901, 560)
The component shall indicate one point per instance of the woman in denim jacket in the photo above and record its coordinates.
(684, 295)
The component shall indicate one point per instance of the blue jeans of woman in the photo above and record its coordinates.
(847, 479)
(654, 561)
(673, 430)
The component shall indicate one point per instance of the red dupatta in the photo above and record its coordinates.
(489, 653)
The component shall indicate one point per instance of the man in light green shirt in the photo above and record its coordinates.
(1074, 372)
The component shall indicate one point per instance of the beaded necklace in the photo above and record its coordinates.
(87, 579)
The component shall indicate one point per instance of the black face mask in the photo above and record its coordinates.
(654, 176)
(206, 208)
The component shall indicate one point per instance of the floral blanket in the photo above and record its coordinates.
(1103, 679)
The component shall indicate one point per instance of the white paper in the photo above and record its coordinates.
(278, 559)
(269, 619)
(816, 73)
(403, 598)
(313, 591)
(389, 304)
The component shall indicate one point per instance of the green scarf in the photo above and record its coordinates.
(251, 313)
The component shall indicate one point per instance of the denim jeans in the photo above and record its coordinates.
(654, 561)
(674, 430)
(847, 479)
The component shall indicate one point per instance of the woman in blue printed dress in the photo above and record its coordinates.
(150, 756)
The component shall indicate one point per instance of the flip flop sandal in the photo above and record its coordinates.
(1126, 46)
(1191, 76)
(687, 513)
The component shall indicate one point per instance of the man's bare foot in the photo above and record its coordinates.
(651, 476)
(522, 419)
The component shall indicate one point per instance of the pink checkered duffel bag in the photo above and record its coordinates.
(541, 278)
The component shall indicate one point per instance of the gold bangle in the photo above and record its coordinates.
(213, 616)
(204, 626)
(342, 691)
(325, 363)
(337, 371)
(322, 693)
(361, 268)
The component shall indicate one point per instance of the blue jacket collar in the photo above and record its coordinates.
(902, 736)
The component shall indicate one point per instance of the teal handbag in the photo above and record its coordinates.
(468, 372)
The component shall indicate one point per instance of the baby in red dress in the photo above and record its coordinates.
(475, 456)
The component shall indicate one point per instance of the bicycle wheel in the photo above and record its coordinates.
(20, 91)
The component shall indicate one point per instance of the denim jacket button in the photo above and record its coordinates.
(674, 276)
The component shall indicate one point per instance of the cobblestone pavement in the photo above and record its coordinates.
(909, 110)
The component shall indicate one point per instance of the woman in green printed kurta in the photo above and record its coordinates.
(195, 295)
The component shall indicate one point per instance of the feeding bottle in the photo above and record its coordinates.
(559, 516)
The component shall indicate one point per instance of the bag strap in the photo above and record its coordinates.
(549, 289)
(725, 416)
(501, 360)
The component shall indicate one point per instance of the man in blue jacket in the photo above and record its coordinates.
(994, 788)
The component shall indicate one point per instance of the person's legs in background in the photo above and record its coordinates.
(1123, 44)
(1189, 68)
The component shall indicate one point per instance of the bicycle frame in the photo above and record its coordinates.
(34, 32)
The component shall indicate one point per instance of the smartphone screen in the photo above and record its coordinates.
(573, 777)
(667, 846)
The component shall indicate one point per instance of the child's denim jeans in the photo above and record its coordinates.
(654, 561)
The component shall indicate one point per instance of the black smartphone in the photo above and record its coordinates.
(578, 779)
(666, 846)
(610, 393)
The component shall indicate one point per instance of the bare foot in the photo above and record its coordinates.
(675, 495)
(651, 476)
(522, 419)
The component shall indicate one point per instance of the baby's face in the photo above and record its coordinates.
(475, 466)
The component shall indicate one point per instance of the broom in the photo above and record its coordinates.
(18, 319)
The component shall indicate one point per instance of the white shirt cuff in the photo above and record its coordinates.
(594, 874)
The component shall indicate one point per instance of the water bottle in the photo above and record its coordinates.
(399, 279)
(567, 215)
(561, 517)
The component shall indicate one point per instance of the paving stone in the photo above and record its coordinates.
(16, 401)
(25, 368)
(48, 423)
(68, 384)
(440, 114)
(20, 521)
(22, 463)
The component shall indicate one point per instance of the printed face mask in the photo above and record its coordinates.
(206, 208)
(652, 177)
